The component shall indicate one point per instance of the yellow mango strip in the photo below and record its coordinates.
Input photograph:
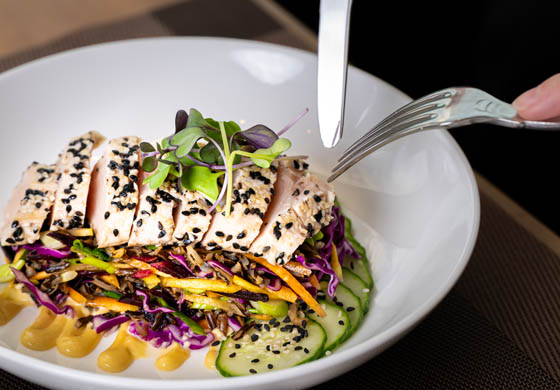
(111, 279)
(335, 263)
(314, 282)
(200, 284)
(40, 275)
(291, 281)
(212, 294)
(151, 281)
(204, 300)
(118, 253)
(112, 304)
(76, 296)
(18, 255)
(284, 293)
(81, 232)
(262, 317)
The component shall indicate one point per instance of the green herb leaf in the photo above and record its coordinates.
(146, 147)
(210, 154)
(112, 294)
(79, 247)
(149, 164)
(157, 179)
(202, 179)
(196, 119)
(279, 146)
(186, 139)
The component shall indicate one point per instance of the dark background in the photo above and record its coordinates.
(503, 47)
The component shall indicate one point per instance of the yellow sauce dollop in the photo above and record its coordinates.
(122, 353)
(12, 300)
(172, 358)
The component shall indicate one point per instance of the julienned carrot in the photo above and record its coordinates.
(112, 304)
(335, 263)
(291, 281)
(262, 317)
(200, 284)
(76, 296)
(284, 293)
(40, 275)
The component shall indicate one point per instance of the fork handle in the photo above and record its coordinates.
(520, 123)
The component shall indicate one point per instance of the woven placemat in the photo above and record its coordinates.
(498, 328)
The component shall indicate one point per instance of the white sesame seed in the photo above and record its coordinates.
(328, 353)
(365, 290)
(339, 314)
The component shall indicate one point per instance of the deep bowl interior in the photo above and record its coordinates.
(414, 202)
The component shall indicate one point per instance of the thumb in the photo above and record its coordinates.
(541, 102)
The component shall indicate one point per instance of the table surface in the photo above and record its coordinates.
(495, 329)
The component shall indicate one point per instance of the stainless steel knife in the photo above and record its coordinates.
(334, 26)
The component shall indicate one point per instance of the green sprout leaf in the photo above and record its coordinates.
(202, 179)
(146, 147)
(196, 119)
(186, 139)
(149, 164)
(279, 146)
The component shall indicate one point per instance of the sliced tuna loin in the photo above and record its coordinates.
(154, 221)
(191, 216)
(29, 205)
(74, 176)
(301, 206)
(253, 188)
(113, 194)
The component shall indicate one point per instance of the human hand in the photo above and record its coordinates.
(542, 102)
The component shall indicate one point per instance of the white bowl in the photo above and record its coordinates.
(414, 202)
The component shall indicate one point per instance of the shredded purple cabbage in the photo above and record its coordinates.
(219, 265)
(233, 324)
(100, 323)
(180, 333)
(41, 297)
(146, 304)
(43, 250)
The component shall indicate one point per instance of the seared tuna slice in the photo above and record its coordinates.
(253, 188)
(191, 216)
(113, 193)
(74, 175)
(29, 205)
(301, 206)
(154, 220)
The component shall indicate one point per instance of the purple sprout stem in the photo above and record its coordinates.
(224, 185)
(218, 167)
(293, 122)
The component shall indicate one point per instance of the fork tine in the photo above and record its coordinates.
(436, 96)
(343, 167)
(388, 132)
(380, 128)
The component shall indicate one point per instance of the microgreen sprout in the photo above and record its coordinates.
(203, 153)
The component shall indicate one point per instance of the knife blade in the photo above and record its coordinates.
(332, 68)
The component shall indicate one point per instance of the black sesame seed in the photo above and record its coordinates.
(68, 208)
(318, 216)
(79, 213)
(18, 232)
(185, 213)
(15, 224)
(160, 226)
(350, 308)
(303, 323)
(196, 230)
(235, 245)
(202, 212)
(220, 234)
(38, 205)
(107, 214)
(116, 232)
(247, 211)
(317, 198)
(276, 352)
(267, 327)
(232, 355)
(340, 322)
(298, 348)
(139, 223)
(266, 248)
(162, 234)
(237, 346)
(229, 237)
(253, 371)
(240, 235)
(296, 164)
(255, 361)
(268, 348)
(289, 225)
(339, 304)
(215, 343)
(243, 248)
(270, 366)
(305, 350)
(254, 337)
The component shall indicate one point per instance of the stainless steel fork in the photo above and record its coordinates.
(448, 108)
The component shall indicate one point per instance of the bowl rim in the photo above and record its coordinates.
(381, 340)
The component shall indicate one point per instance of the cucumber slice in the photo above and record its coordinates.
(273, 307)
(336, 323)
(346, 299)
(358, 287)
(261, 350)
(361, 268)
